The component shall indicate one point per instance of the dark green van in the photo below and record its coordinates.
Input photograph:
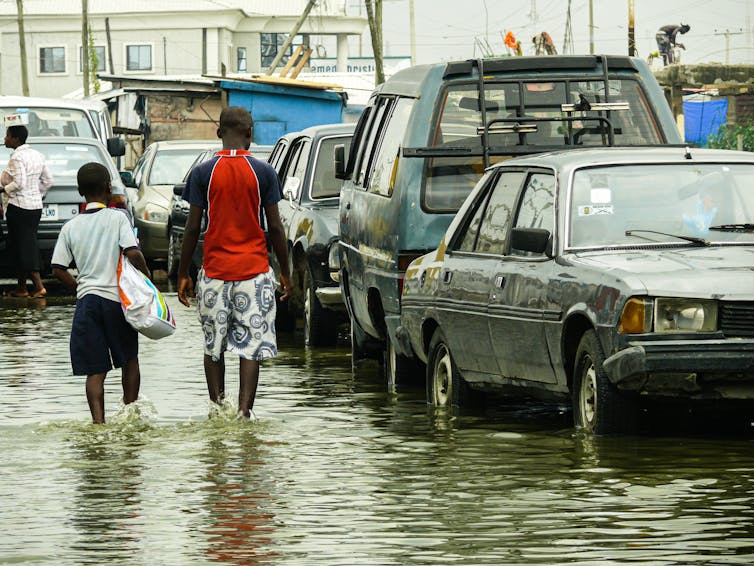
(428, 134)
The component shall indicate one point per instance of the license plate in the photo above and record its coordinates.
(50, 212)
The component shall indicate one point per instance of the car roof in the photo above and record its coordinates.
(327, 129)
(575, 158)
(187, 144)
(31, 140)
(35, 101)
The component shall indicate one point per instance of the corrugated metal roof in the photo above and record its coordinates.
(104, 7)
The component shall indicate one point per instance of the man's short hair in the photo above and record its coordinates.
(19, 132)
(684, 28)
(93, 179)
(235, 118)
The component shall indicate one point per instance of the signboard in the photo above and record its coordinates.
(357, 64)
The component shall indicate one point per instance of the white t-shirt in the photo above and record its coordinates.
(94, 240)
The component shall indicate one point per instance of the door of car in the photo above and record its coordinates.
(469, 270)
(519, 312)
(293, 179)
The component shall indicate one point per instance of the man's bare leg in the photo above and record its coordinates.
(247, 391)
(131, 379)
(215, 374)
(95, 396)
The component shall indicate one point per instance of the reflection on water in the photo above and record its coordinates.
(336, 471)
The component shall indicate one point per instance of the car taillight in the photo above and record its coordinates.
(403, 262)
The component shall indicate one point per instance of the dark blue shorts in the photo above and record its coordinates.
(100, 336)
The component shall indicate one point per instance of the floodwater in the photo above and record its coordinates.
(337, 470)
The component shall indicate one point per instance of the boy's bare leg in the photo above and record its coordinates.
(95, 396)
(131, 379)
(215, 374)
(247, 391)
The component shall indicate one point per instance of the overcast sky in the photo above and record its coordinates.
(447, 29)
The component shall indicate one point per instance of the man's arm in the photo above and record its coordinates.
(18, 172)
(136, 257)
(279, 246)
(190, 239)
(45, 180)
(65, 277)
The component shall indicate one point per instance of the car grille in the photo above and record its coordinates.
(736, 319)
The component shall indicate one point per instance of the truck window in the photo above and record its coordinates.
(371, 139)
(380, 182)
(54, 121)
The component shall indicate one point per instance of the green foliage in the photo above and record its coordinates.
(93, 63)
(727, 136)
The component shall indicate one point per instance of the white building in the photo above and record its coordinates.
(162, 37)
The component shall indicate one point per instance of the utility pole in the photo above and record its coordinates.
(727, 34)
(374, 14)
(631, 37)
(591, 27)
(291, 37)
(22, 46)
(85, 43)
(412, 30)
(109, 46)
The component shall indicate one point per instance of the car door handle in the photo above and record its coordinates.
(499, 281)
(447, 275)
(348, 206)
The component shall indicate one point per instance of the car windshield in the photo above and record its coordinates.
(63, 159)
(53, 121)
(538, 106)
(324, 183)
(662, 203)
(171, 165)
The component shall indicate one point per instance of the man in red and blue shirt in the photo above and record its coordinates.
(235, 287)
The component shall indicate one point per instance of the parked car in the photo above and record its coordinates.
(309, 213)
(62, 201)
(179, 210)
(427, 135)
(595, 276)
(61, 117)
(163, 165)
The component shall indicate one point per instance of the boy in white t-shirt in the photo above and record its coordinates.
(93, 240)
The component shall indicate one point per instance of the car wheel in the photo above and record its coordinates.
(598, 406)
(445, 386)
(173, 254)
(320, 328)
(398, 369)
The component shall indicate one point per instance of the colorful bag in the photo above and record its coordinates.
(143, 305)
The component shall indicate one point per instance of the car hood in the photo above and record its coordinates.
(161, 194)
(717, 271)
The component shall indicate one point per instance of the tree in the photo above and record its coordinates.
(22, 45)
(374, 15)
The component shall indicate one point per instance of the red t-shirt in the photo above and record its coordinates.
(233, 187)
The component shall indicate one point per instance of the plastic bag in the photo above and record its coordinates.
(143, 305)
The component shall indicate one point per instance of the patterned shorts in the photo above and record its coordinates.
(238, 316)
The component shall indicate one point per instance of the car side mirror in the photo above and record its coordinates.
(178, 189)
(340, 161)
(116, 146)
(534, 240)
(128, 179)
(291, 188)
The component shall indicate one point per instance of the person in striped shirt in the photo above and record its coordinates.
(25, 181)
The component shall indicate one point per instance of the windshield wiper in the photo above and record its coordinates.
(692, 239)
(746, 227)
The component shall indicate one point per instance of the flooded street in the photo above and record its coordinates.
(335, 471)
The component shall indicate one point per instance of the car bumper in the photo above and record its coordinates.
(330, 297)
(153, 239)
(698, 368)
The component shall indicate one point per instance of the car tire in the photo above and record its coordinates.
(398, 369)
(174, 254)
(445, 386)
(320, 328)
(598, 406)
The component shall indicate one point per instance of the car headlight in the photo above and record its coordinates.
(154, 213)
(333, 260)
(685, 315)
(665, 315)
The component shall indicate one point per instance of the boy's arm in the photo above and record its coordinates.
(280, 246)
(136, 258)
(65, 277)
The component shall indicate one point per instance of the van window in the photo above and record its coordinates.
(388, 151)
(458, 118)
(371, 139)
(54, 122)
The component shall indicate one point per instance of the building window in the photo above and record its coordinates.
(101, 53)
(271, 44)
(138, 57)
(52, 59)
(241, 59)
